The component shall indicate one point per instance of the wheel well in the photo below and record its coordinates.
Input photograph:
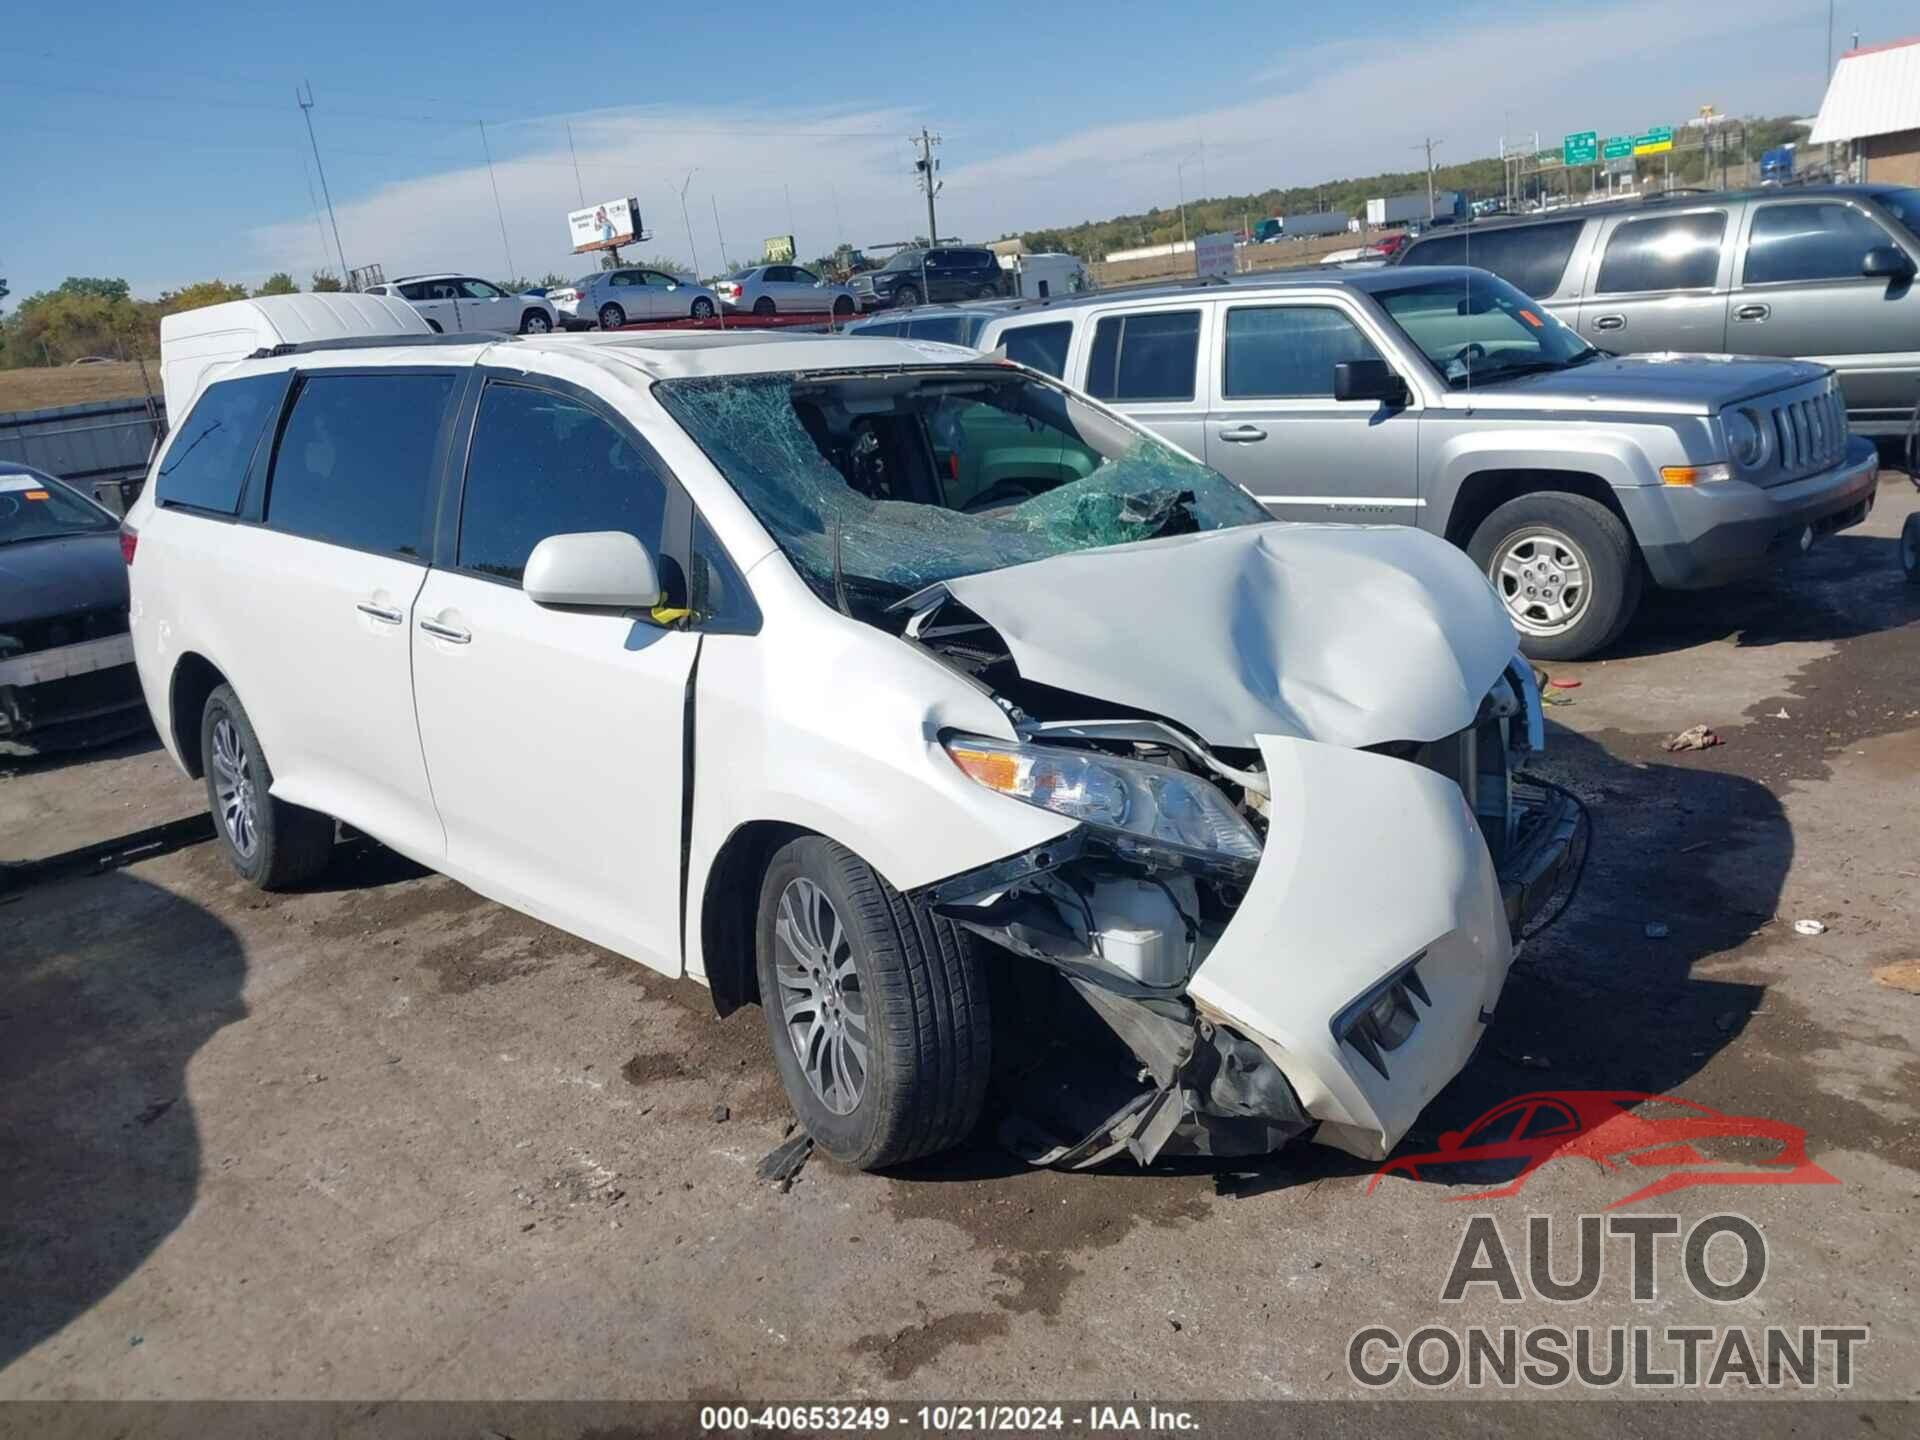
(194, 678)
(1481, 494)
(730, 907)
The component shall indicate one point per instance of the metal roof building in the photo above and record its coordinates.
(1873, 103)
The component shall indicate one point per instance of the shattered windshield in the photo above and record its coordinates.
(878, 483)
(1478, 328)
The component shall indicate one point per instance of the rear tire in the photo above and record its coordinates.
(764, 306)
(1910, 548)
(845, 960)
(612, 317)
(273, 845)
(1532, 547)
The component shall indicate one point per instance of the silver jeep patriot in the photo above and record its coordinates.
(1443, 397)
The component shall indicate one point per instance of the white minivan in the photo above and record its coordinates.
(936, 708)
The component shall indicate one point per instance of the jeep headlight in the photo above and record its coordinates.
(1747, 439)
(1163, 806)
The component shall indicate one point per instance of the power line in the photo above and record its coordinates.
(578, 183)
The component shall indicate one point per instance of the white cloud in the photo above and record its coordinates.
(1352, 107)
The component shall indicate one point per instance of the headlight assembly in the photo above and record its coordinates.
(1163, 806)
(1747, 439)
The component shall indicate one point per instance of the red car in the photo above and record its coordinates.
(1618, 1130)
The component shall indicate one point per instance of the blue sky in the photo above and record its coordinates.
(163, 144)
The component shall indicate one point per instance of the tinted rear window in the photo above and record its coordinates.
(1532, 258)
(355, 462)
(1676, 252)
(206, 465)
(1044, 347)
(947, 329)
(1145, 357)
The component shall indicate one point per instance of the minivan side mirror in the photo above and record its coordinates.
(605, 568)
(1368, 380)
(1886, 261)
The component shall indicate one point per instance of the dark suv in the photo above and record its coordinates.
(943, 273)
(1819, 272)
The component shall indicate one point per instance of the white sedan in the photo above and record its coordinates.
(612, 298)
(459, 304)
(784, 289)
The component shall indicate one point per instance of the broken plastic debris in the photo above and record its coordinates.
(783, 1162)
(1809, 927)
(1781, 714)
(1698, 737)
(1559, 684)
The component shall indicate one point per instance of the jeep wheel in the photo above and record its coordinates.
(1565, 568)
(272, 844)
(877, 1009)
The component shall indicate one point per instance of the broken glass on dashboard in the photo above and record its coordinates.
(877, 484)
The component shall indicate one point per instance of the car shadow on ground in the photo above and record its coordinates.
(111, 985)
(1850, 585)
(61, 756)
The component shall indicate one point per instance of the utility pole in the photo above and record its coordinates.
(719, 232)
(306, 111)
(576, 166)
(688, 223)
(1428, 145)
(1180, 180)
(512, 274)
(927, 168)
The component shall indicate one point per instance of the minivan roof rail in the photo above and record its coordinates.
(370, 342)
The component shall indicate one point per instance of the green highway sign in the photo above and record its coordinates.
(1582, 149)
(1618, 147)
(1659, 138)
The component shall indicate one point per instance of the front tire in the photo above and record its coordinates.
(905, 298)
(535, 322)
(877, 1009)
(1565, 568)
(273, 845)
(1910, 548)
(703, 308)
(842, 307)
(612, 317)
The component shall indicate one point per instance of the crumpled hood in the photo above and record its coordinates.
(59, 575)
(1348, 635)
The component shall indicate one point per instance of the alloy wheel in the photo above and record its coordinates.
(234, 788)
(822, 1002)
(1542, 579)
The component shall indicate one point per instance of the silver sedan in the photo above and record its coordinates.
(612, 298)
(784, 289)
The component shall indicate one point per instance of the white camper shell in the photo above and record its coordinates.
(195, 342)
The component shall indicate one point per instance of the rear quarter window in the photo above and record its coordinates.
(205, 468)
(1143, 357)
(1532, 258)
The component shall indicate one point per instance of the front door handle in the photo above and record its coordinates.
(1242, 434)
(1753, 312)
(446, 632)
(1610, 322)
(385, 614)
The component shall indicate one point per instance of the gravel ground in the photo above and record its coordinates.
(386, 1139)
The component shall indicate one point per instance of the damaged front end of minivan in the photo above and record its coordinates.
(1297, 882)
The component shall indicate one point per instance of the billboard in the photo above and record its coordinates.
(1213, 255)
(778, 250)
(606, 225)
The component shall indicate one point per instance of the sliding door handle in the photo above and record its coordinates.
(446, 632)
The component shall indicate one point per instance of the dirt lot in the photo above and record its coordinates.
(384, 1139)
(75, 385)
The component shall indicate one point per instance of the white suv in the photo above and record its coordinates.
(895, 689)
